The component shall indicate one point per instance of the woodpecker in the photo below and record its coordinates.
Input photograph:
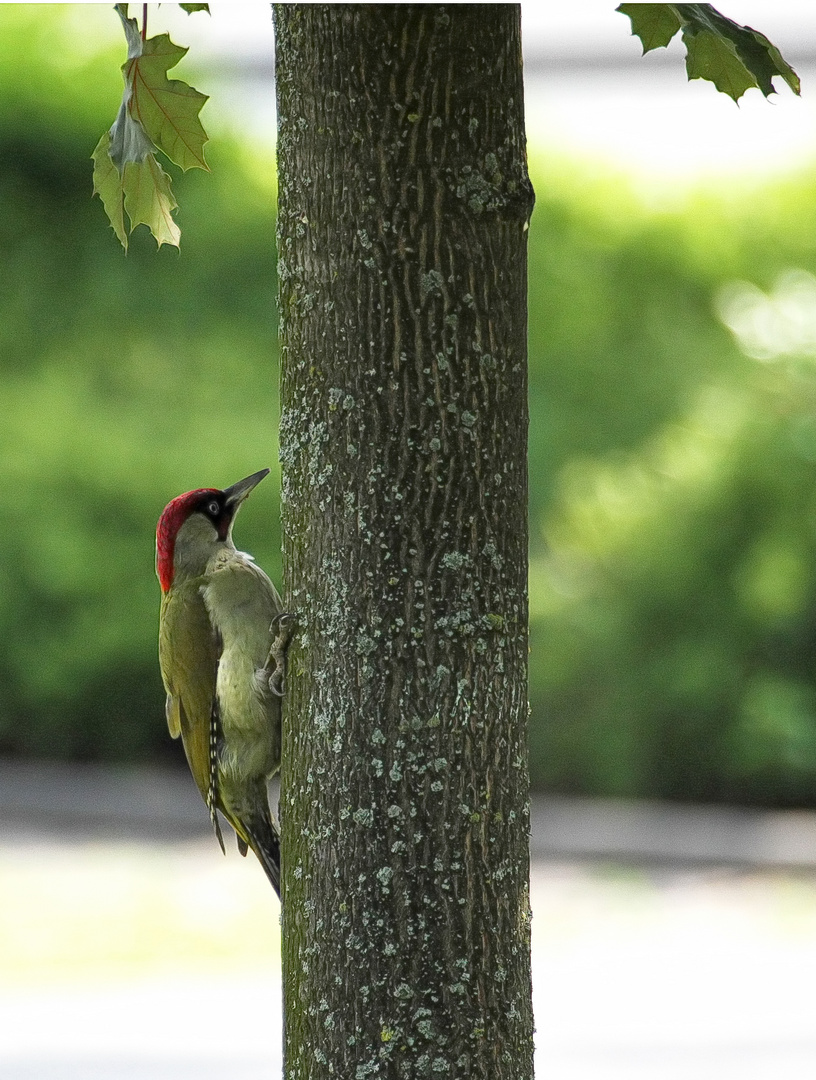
(222, 641)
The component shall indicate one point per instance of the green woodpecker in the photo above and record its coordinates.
(222, 640)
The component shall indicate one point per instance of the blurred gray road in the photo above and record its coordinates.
(43, 798)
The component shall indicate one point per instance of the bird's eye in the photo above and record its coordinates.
(213, 508)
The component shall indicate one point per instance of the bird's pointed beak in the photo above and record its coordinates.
(236, 494)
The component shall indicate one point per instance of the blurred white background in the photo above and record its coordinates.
(589, 92)
(588, 89)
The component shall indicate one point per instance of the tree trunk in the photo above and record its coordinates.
(403, 209)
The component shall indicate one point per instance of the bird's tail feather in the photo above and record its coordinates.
(265, 842)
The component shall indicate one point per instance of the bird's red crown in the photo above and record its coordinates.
(173, 517)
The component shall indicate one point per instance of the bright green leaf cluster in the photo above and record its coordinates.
(733, 57)
(156, 113)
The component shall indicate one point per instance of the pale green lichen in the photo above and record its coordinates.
(454, 560)
(429, 283)
(384, 875)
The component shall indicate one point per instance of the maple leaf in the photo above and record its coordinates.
(733, 57)
(107, 184)
(713, 57)
(156, 113)
(149, 201)
(654, 24)
(166, 108)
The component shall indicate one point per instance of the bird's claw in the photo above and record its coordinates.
(283, 626)
(285, 620)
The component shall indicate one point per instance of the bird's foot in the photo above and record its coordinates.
(274, 670)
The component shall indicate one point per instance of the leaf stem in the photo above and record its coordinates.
(144, 22)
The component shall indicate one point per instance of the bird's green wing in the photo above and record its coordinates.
(188, 657)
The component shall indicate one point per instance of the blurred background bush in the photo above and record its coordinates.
(673, 448)
(125, 380)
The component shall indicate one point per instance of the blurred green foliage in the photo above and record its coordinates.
(673, 509)
(125, 380)
(673, 512)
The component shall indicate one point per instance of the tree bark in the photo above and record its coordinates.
(404, 202)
